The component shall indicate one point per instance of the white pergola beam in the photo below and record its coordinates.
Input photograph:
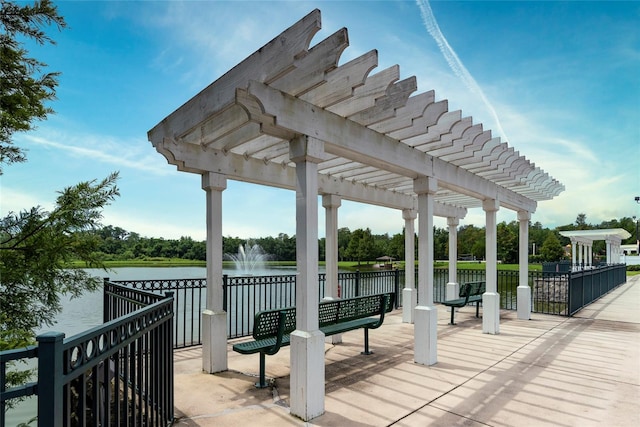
(348, 139)
(195, 159)
(266, 64)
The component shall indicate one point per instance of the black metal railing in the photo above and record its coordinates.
(507, 284)
(586, 286)
(359, 283)
(549, 292)
(12, 393)
(116, 374)
(189, 297)
(244, 296)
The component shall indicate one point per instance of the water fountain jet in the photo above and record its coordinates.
(250, 258)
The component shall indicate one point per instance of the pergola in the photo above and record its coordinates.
(290, 116)
(582, 245)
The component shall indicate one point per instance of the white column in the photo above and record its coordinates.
(453, 288)
(331, 203)
(491, 298)
(409, 294)
(214, 318)
(426, 315)
(307, 341)
(524, 290)
(613, 252)
(590, 255)
(580, 251)
(574, 266)
(586, 255)
(608, 242)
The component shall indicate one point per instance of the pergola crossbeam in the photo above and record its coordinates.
(348, 139)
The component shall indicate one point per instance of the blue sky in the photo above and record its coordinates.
(560, 81)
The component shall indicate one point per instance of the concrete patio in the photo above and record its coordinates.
(550, 370)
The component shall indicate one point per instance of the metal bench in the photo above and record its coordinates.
(469, 293)
(272, 328)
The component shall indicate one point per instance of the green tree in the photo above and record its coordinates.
(361, 246)
(24, 88)
(537, 236)
(380, 245)
(507, 239)
(581, 222)
(35, 247)
(344, 236)
(396, 246)
(551, 249)
(440, 243)
(471, 241)
(322, 249)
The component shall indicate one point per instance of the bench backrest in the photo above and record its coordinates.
(477, 288)
(464, 290)
(332, 312)
(472, 289)
(266, 322)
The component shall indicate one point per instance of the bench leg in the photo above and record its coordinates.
(262, 383)
(477, 308)
(452, 310)
(366, 342)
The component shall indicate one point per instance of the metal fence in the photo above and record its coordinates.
(586, 286)
(116, 374)
(8, 357)
(244, 296)
(189, 298)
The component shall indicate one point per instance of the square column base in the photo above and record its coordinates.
(409, 302)
(491, 313)
(307, 374)
(214, 341)
(425, 334)
(524, 302)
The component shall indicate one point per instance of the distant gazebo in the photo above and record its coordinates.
(582, 245)
(387, 261)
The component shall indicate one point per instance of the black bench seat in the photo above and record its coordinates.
(250, 347)
(272, 328)
(469, 293)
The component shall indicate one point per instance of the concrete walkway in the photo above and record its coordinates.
(550, 370)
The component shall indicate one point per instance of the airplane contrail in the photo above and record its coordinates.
(452, 59)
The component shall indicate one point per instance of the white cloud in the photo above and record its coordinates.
(455, 63)
(16, 201)
(211, 37)
(378, 219)
(133, 154)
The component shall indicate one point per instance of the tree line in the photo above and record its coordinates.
(362, 246)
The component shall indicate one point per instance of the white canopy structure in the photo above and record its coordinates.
(291, 116)
(582, 245)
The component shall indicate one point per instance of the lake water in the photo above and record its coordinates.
(85, 312)
(82, 313)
